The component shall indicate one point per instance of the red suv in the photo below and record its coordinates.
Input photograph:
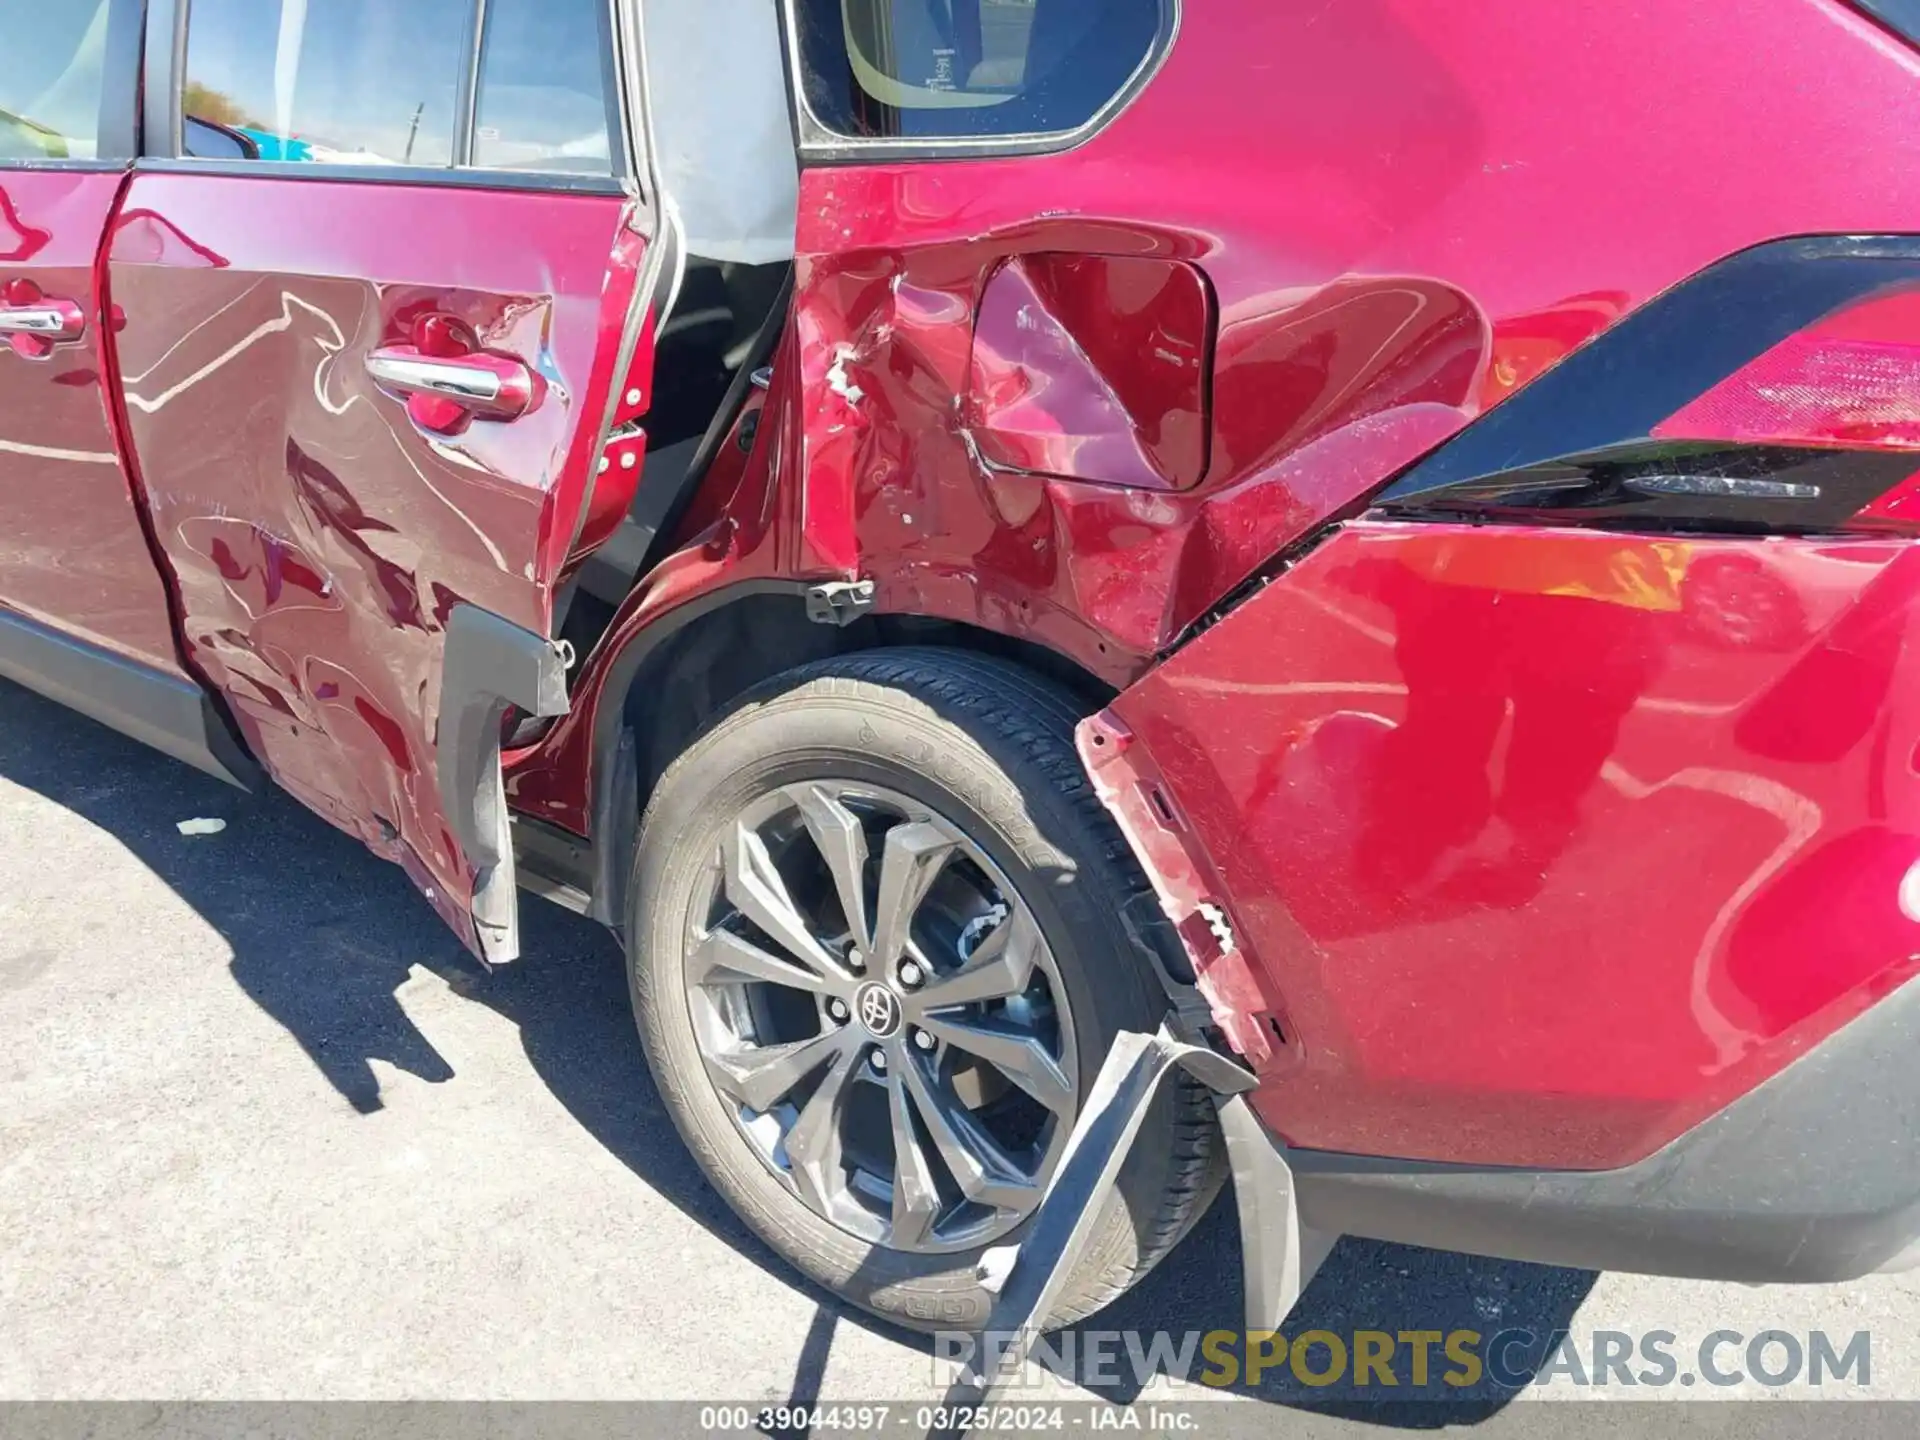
(959, 528)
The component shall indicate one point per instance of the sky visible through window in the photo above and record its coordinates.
(50, 67)
(374, 81)
(364, 78)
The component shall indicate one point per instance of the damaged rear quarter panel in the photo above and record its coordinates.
(1538, 858)
(1403, 212)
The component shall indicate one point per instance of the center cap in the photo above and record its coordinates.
(878, 1010)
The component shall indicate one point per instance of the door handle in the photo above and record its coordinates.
(487, 387)
(44, 319)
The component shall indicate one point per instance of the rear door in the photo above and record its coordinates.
(377, 276)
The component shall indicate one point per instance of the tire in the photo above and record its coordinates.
(989, 748)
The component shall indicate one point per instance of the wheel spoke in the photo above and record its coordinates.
(909, 864)
(755, 888)
(813, 1143)
(760, 1076)
(978, 1165)
(1001, 968)
(726, 958)
(842, 843)
(916, 1197)
(1017, 1054)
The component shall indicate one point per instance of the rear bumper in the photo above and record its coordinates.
(1813, 1176)
(1561, 887)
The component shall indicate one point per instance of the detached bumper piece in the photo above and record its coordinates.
(1281, 1255)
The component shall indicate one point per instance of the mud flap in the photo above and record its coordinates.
(490, 665)
(1281, 1256)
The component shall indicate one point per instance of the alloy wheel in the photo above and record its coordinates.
(880, 1011)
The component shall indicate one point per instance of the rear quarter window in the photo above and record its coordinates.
(954, 69)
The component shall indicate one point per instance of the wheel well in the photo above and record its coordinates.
(689, 679)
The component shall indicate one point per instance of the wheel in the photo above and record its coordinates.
(877, 959)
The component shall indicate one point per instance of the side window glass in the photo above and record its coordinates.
(543, 98)
(358, 82)
(52, 60)
(943, 69)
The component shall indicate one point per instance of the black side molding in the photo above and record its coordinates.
(554, 863)
(490, 664)
(1812, 1176)
(172, 715)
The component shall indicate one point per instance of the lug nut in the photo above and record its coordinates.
(856, 960)
(879, 1062)
(910, 974)
(837, 1011)
(922, 1040)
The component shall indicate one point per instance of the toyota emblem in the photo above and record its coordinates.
(878, 1010)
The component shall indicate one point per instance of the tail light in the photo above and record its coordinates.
(1817, 432)
(1852, 380)
(1849, 383)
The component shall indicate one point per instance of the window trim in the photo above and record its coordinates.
(466, 97)
(163, 146)
(820, 145)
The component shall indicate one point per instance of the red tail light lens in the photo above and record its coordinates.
(1852, 381)
(1776, 392)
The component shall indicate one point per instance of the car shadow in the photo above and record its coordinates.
(322, 935)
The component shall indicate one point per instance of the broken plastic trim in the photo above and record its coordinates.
(1280, 1255)
(1129, 786)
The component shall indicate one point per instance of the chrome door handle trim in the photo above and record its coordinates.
(488, 386)
(448, 378)
(45, 320)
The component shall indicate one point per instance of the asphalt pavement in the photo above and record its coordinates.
(267, 1133)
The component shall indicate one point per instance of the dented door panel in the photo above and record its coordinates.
(1524, 837)
(321, 528)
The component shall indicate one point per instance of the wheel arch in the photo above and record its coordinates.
(680, 674)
